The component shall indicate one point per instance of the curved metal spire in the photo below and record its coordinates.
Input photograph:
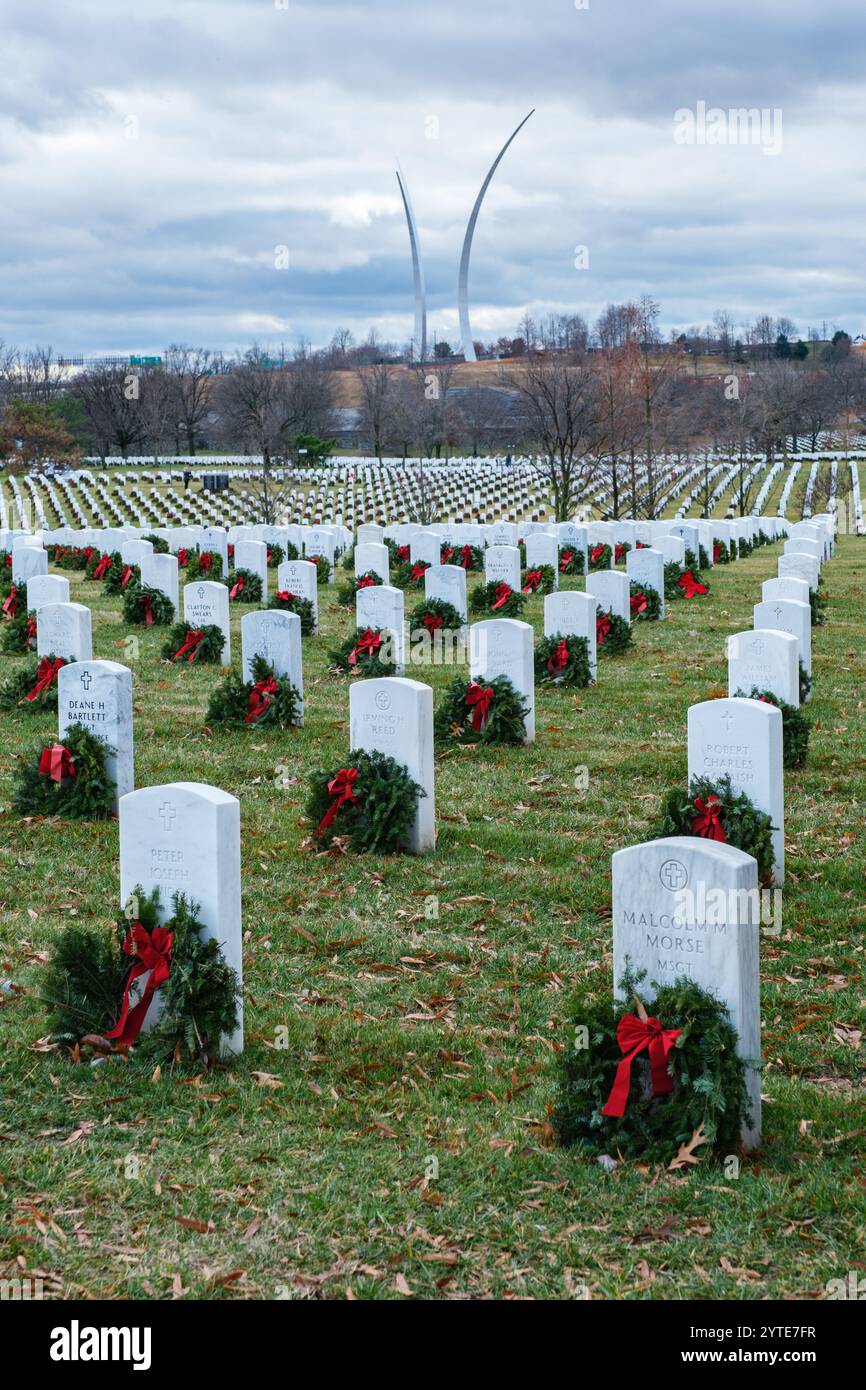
(463, 281)
(417, 269)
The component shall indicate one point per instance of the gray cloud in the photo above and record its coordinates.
(151, 161)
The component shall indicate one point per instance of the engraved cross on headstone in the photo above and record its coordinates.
(86, 678)
(727, 720)
(778, 612)
(167, 813)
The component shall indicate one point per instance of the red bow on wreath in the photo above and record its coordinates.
(103, 565)
(402, 552)
(533, 579)
(565, 560)
(260, 699)
(194, 639)
(183, 559)
(559, 658)
(284, 596)
(368, 644)
(31, 627)
(205, 561)
(503, 594)
(602, 628)
(46, 675)
(237, 587)
(367, 582)
(432, 621)
(88, 553)
(708, 822)
(10, 607)
(717, 550)
(56, 763)
(690, 585)
(466, 557)
(618, 554)
(446, 554)
(596, 553)
(126, 576)
(341, 789)
(147, 609)
(479, 699)
(419, 569)
(633, 1035)
(638, 604)
(152, 951)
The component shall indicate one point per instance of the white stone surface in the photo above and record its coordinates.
(503, 647)
(647, 567)
(98, 694)
(502, 564)
(205, 602)
(299, 577)
(46, 588)
(542, 549)
(572, 614)
(253, 556)
(767, 660)
(610, 589)
(394, 716)
(185, 837)
(685, 906)
(64, 629)
(382, 606)
(448, 584)
(275, 634)
(160, 572)
(27, 562)
(786, 587)
(742, 738)
(372, 558)
(787, 615)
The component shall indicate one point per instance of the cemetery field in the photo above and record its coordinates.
(386, 1133)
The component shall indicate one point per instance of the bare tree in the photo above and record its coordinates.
(378, 388)
(560, 398)
(189, 370)
(111, 398)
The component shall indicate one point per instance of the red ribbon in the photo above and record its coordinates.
(638, 604)
(618, 554)
(341, 789)
(596, 553)
(503, 594)
(368, 644)
(633, 1035)
(419, 569)
(147, 609)
(717, 550)
(259, 699)
(565, 560)
(183, 559)
(10, 607)
(205, 561)
(479, 699)
(366, 582)
(432, 622)
(466, 557)
(284, 595)
(103, 565)
(690, 585)
(56, 763)
(602, 628)
(559, 659)
(237, 587)
(446, 553)
(708, 822)
(88, 553)
(126, 576)
(533, 579)
(194, 638)
(403, 552)
(152, 953)
(31, 627)
(46, 675)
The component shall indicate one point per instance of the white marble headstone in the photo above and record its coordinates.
(46, 588)
(610, 589)
(299, 577)
(98, 694)
(394, 716)
(253, 556)
(572, 614)
(64, 629)
(160, 572)
(765, 659)
(206, 602)
(647, 568)
(372, 558)
(503, 647)
(382, 606)
(787, 615)
(27, 562)
(502, 565)
(274, 634)
(448, 584)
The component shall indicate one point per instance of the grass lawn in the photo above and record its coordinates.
(421, 1044)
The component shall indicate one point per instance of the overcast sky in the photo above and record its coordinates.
(154, 156)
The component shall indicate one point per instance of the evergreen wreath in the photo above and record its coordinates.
(68, 778)
(19, 633)
(119, 577)
(721, 553)
(644, 602)
(468, 557)
(159, 543)
(276, 556)
(613, 634)
(600, 557)
(703, 558)
(481, 711)
(563, 660)
(323, 568)
(745, 548)
(499, 598)
(346, 592)
(266, 699)
(692, 561)
(34, 687)
(796, 728)
(570, 560)
(683, 583)
(186, 642)
(6, 562)
(71, 557)
(541, 579)
(409, 574)
(697, 1087)
(100, 563)
(244, 586)
(620, 551)
(363, 651)
(295, 603)
(86, 983)
(372, 802)
(432, 616)
(145, 607)
(204, 564)
(398, 554)
(714, 812)
(818, 605)
(805, 683)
